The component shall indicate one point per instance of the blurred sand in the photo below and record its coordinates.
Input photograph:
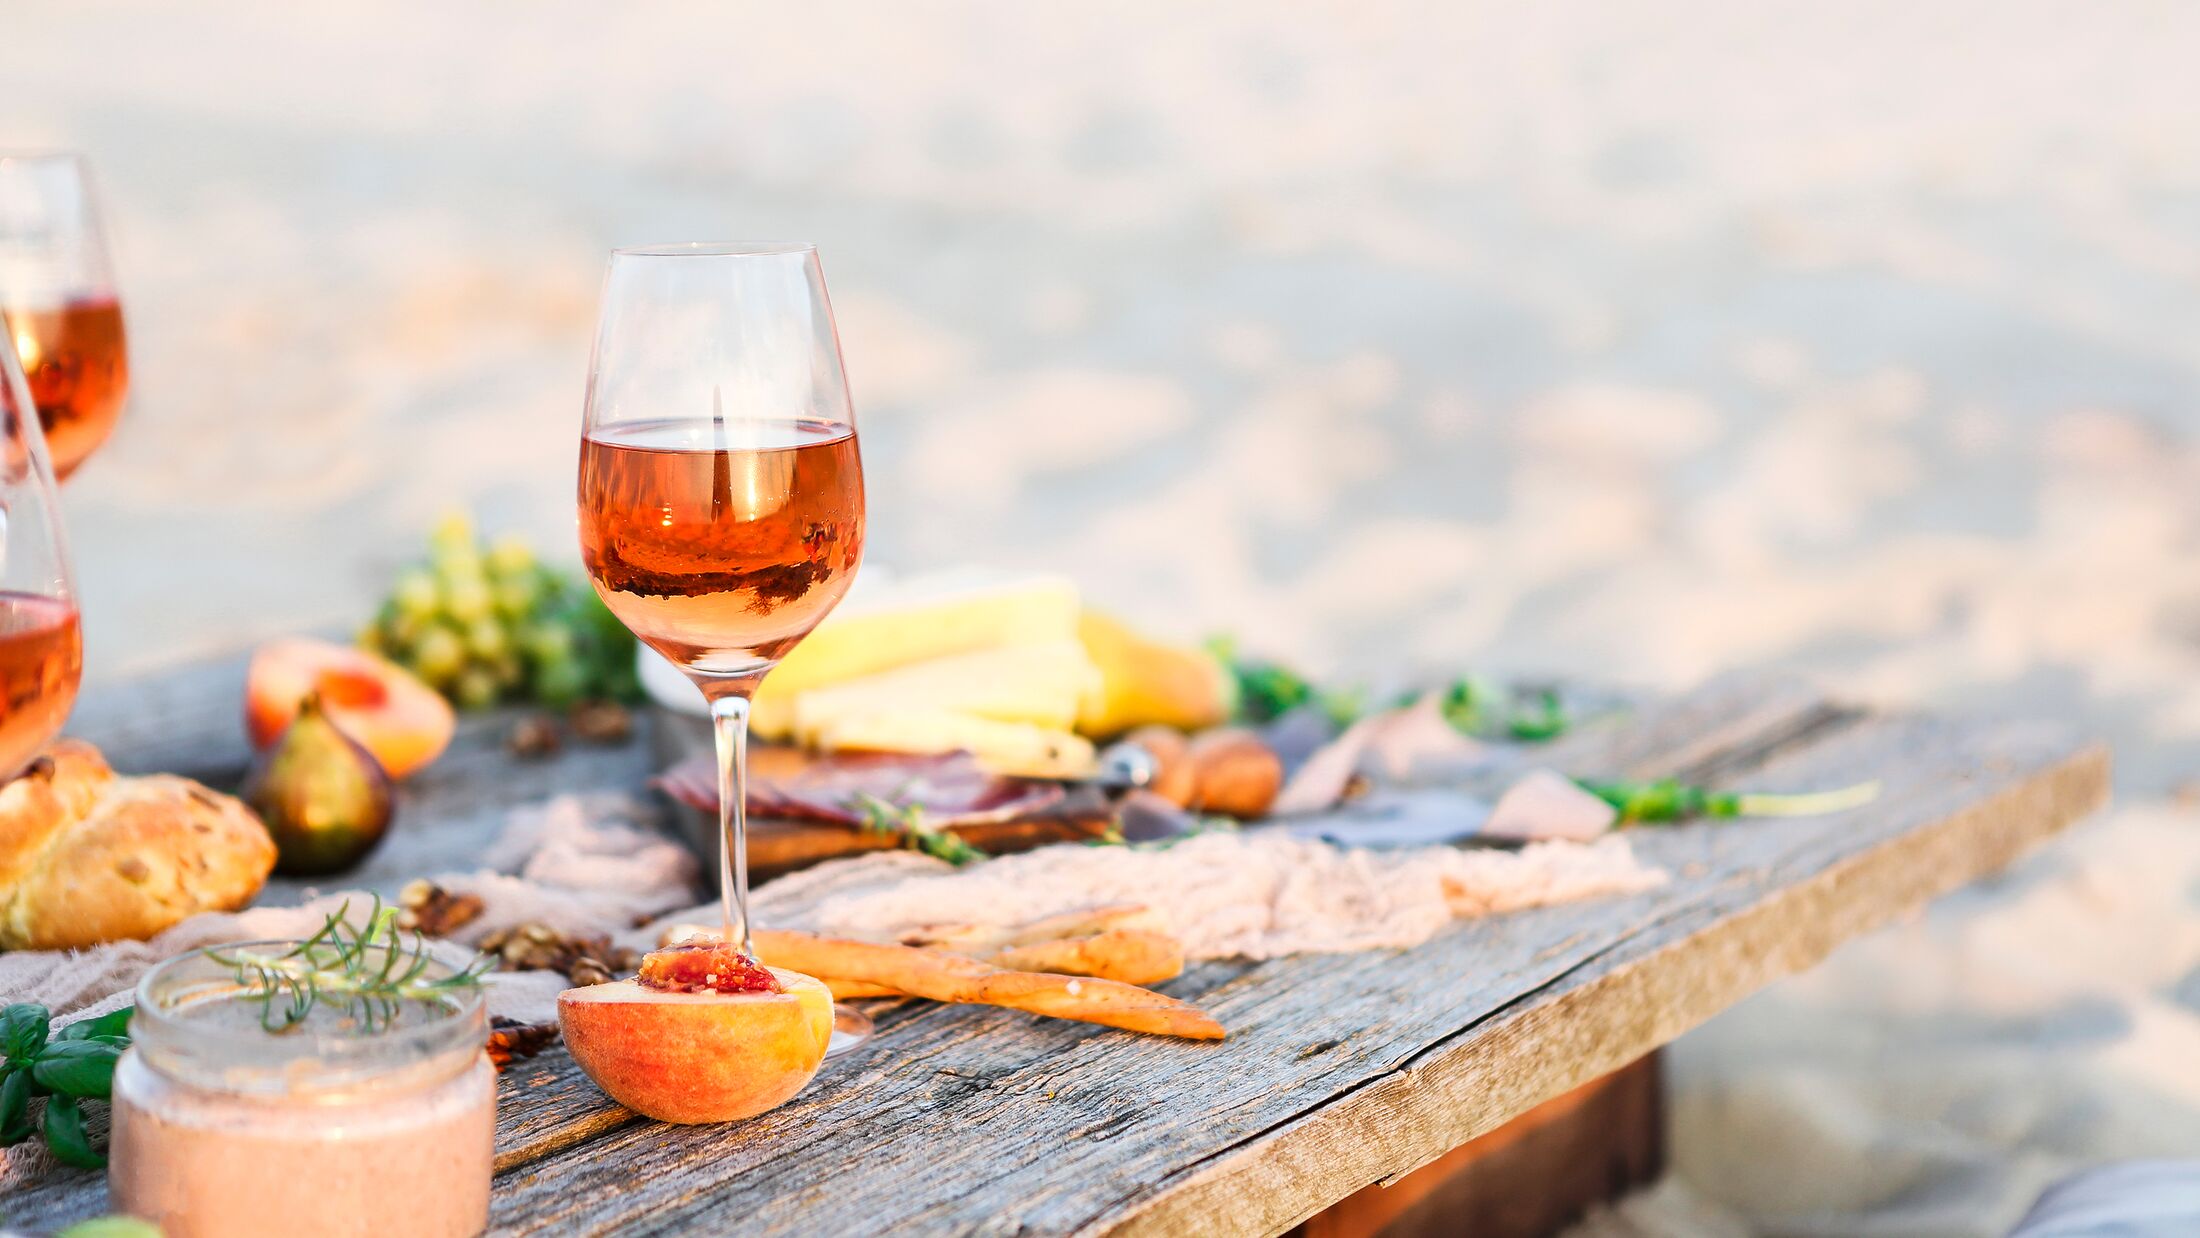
(1632, 342)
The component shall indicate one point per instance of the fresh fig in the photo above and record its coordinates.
(323, 796)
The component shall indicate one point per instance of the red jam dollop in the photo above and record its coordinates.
(706, 967)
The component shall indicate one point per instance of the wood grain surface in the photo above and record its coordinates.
(1340, 1071)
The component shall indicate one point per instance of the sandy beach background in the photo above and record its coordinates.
(1630, 342)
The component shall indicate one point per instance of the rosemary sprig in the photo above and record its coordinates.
(909, 825)
(371, 969)
(1669, 799)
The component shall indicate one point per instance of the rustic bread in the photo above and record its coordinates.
(88, 857)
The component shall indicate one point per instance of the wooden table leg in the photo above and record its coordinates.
(1535, 1175)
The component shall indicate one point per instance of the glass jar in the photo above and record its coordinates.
(351, 1122)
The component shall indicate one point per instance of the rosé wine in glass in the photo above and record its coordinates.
(57, 297)
(721, 492)
(721, 557)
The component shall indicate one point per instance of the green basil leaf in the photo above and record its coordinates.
(23, 1030)
(78, 1067)
(65, 1134)
(15, 1108)
(113, 1023)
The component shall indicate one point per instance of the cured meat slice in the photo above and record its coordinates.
(948, 788)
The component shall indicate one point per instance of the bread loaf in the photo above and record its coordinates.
(89, 857)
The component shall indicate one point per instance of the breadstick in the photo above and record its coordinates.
(946, 977)
(1133, 956)
(1128, 955)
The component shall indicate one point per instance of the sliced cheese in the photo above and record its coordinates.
(1039, 684)
(915, 623)
(1016, 748)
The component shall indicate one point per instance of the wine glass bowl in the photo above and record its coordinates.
(721, 549)
(57, 297)
(720, 486)
(41, 646)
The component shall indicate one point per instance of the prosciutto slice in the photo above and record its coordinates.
(949, 788)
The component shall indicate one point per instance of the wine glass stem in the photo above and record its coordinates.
(729, 715)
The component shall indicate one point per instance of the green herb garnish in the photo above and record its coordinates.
(75, 1065)
(1268, 690)
(908, 824)
(1478, 707)
(371, 970)
(1669, 799)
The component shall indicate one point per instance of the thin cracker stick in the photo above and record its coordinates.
(1133, 956)
(952, 978)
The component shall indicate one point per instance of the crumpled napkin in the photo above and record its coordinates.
(578, 863)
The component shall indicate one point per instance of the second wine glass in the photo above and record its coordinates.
(41, 649)
(721, 492)
(57, 295)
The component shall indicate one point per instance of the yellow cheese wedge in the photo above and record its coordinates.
(914, 623)
(1017, 748)
(1043, 685)
(1145, 681)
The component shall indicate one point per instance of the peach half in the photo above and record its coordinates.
(698, 1057)
(383, 706)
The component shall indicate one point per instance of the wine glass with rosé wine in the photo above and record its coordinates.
(41, 650)
(57, 297)
(721, 492)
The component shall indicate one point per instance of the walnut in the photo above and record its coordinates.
(601, 722)
(427, 908)
(510, 1039)
(534, 736)
(538, 947)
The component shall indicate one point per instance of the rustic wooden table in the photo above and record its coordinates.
(1339, 1072)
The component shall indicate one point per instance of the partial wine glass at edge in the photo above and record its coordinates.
(721, 489)
(41, 649)
(58, 300)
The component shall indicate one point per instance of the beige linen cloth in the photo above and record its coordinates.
(576, 863)
(1227, 894)
(584, 864)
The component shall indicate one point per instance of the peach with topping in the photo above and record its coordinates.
(705, 1034)
(384, 707)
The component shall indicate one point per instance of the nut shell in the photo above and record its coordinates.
(1234, 773)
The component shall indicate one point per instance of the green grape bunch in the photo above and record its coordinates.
(489, 623)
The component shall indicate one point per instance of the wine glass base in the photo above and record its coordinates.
(850, 1028)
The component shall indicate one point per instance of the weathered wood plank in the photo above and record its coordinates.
(185, 720)
(1530, 1178)
(448, 813)
(190, 720)
(1330, 1080)
(904, 1093)
(546, 1105)
(1768, 900)
(1340, 1072)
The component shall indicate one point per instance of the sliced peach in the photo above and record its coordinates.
(392, 714)
(698, 1057)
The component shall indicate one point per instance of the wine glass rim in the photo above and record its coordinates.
(716, 249)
